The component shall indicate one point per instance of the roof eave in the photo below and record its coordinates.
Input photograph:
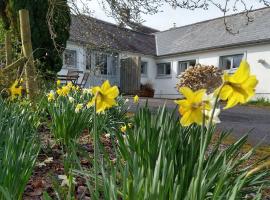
(249, 43)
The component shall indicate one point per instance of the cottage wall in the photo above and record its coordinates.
(165, 87)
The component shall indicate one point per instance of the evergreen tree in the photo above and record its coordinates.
(47, 50)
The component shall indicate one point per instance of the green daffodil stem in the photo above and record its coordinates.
(95, 149)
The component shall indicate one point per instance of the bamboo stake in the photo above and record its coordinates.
(8, 49)
(30, 76)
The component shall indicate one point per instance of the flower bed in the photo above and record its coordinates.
(90, 149)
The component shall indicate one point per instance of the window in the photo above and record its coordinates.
(183, 65)
(101, 63)
(230, 62)
(163, 69)
(88, 59)
(144, 68)
(70, 58)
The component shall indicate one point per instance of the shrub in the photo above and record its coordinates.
(201, 77)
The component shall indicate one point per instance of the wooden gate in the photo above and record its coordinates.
(130, 75)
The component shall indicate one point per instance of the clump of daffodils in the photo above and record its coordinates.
(101, 97)
(201, 77)
(200, 108)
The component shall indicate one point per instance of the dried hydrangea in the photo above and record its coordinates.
(199, 77)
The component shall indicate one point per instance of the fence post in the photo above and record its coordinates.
(30, 71)
(8, 49)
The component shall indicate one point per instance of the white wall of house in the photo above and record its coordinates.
(80, 59)
(165, 86)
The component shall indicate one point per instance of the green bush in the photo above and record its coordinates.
(19, 149)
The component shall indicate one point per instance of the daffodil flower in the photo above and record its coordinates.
(78, 108)
(51, 96)
(123, 129)
(15, 90)
(193, 107)
(71, 99)
(65, 180)
(130, 125)
(58, 82)
(208, 114)
(64, 91)
(104, 97)
(136, 99)
(86, 91)
(239, 87)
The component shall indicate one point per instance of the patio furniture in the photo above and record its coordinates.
(72, 76)
(84, 80)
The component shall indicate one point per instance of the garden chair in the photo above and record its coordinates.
(72, 76)
(84, 80)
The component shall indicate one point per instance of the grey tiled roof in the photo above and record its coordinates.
(99, 34)
(212, 34)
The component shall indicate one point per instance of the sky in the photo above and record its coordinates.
(167, 16)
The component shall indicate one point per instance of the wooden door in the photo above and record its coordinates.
(130, 75)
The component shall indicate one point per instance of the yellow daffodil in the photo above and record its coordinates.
(58, 82)
(64, 91)
(15, 90)
(136, 99)
(123, 129)
(130, 125)
(239, 87)
(104, 97)
(70, 84)
(78, 108)
(193, 107)
(51, 96)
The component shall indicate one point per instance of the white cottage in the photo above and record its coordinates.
(161, 56)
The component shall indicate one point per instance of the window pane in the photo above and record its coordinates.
(88, 59)
(70, 58)
(231, 62)
(144, 68)
(226, 63)
(168, 69)
(192, 63)
(160, 69)
(101, 63)
(237, 60)
(182, 67)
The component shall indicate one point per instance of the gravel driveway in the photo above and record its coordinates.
(239, 120)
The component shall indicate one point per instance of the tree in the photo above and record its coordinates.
(130, 11)
(47, 48)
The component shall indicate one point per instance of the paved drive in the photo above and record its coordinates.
(240, 120)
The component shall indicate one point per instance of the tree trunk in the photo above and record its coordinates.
(8, 49)
(30, 71)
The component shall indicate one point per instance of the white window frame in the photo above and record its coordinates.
(182, 62)
(100, 69)
(164, 75)
(75, 66)
(146, 69)
(88, 59)
(232, 60)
